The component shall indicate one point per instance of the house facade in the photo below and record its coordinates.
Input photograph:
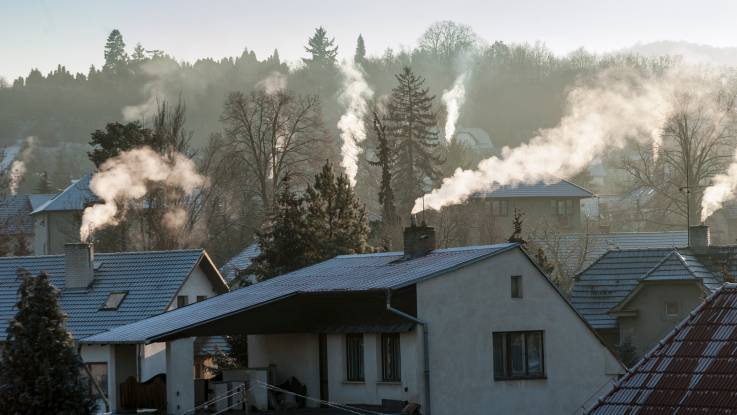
(461, 330)
(102, 291)
(16, 223)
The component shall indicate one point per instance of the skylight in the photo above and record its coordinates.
(114, 300)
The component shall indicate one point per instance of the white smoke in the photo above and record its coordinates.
(354, 96)
(161, 71)
(618, 106)
(127, 177)
(722, 189)
(453, 99)
(18, 168)
(274, 83)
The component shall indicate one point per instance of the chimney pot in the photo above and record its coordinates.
(418, 240)
(699, 237)
(79, 270)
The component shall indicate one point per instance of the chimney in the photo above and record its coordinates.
(699, 237)
(79, 269)
(418, 240)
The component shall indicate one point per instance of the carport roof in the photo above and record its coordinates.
(346, 273)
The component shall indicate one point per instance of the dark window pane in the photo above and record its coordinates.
(500, 369)
(517, 353)
(182, 300)
(534, 353)
(354, 357)
(390, 357)
(516, 286)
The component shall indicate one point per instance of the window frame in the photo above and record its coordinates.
(669, 315)
(504, 356)
(518, 293)
(355, 368)
(104, 305)
(500, 207)
(391, 369)
(186, 300)
(200, 298)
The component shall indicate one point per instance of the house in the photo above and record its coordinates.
(237, 271)
(16, 223)
(102, 291)
(691, 370)
(633, 297)
(461, 330)
(56, 222)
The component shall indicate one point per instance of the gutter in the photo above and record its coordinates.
(425, 345)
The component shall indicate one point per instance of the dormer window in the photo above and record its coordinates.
(114, 300)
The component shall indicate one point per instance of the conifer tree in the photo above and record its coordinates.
(44, 184)
(40, 369)
(115, 55)
(322, 49)
(139, 53)
(21, 248)
(386, 160)
(360, 55)
(412, 124)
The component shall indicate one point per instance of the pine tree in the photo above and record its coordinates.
(40, 369)
(386, 160)
(321, 48)
(412, 123)
(360, 55)
(139, 53)
(115, 55)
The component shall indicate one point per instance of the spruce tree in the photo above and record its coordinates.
(412, 123)
(360, 55)
(115, 55)
(40, 369)
(386, 160)
(139, 53)
(322, 49)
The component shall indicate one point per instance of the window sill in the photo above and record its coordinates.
(389, 382)
(538, 377)
(354, 382)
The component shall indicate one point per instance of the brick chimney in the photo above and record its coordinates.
(418, 240)
(79, 269)
(699, 237)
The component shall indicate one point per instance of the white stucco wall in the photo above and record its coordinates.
(180, 376)
(153, 360)
(464, 308)
(40, 234)
(196, 284)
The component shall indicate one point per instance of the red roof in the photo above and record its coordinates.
(692, 370)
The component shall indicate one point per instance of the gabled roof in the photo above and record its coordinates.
(554, 189)
(692, 370)
(15, 213)
(151, 280)
(345, 273)
(76, 196)
(240, 262)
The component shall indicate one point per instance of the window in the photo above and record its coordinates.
(182, 300)
(518, 355)
(562, 207)
(390, 360)
(99, 374)
(114, 300)
(671, 309)
(354, 357)
(500, 208)
(516, 286)
(201, 298)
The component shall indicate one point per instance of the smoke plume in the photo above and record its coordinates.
(127, 177)
(274, 83)
(354, 96)
(619, 105)
(722, 189)
(160, 72)
(18, 168)
(453, 99)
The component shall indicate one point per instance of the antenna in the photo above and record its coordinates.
(423, 210)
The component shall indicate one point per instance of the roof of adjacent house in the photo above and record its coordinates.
(151, 280)
(555, 189)
(612, 278)
(345, 273)
(240, 262)
(690, 371)
(76, 196)
(15, 213)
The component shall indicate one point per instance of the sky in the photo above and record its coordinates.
(41, 34)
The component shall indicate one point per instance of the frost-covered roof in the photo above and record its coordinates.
(555, 189)
(76, 196)
(692, 370)
(151, 280)
(240, 262)
(345, 273)
(15, 213)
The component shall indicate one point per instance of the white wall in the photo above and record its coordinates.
(196, 284)
(40, 234)
(464, 308)
(180, 376)
(153, 360)
(293, 355)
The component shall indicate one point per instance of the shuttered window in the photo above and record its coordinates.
(354, 357)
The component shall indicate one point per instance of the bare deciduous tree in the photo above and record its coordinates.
(445, 39)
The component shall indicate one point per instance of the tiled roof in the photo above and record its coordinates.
(15, 213)
(76, 196)
(346, 273)
(150, 278)
(692, 370)
(610, 279)
(555, 189)
(240, 262)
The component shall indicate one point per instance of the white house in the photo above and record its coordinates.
(471, 330)
(100, 291)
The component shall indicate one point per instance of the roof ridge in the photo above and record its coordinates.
(662, 261)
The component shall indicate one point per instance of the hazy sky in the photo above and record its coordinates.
(37, 33)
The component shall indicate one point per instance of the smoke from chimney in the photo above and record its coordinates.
(354, 96)
(619, 105)
(274, 83)
(18, 168)
(127, 177)
(453, 99)
(722, 189)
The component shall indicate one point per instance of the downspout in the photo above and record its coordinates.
(425, 345)
(94, 382)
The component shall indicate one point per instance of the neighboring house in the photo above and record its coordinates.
(476, 140)
(237, 270)
(633, 297)
(102, 291)
(16, 223)
(472, 330)
(57, 221)
(690, 371)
